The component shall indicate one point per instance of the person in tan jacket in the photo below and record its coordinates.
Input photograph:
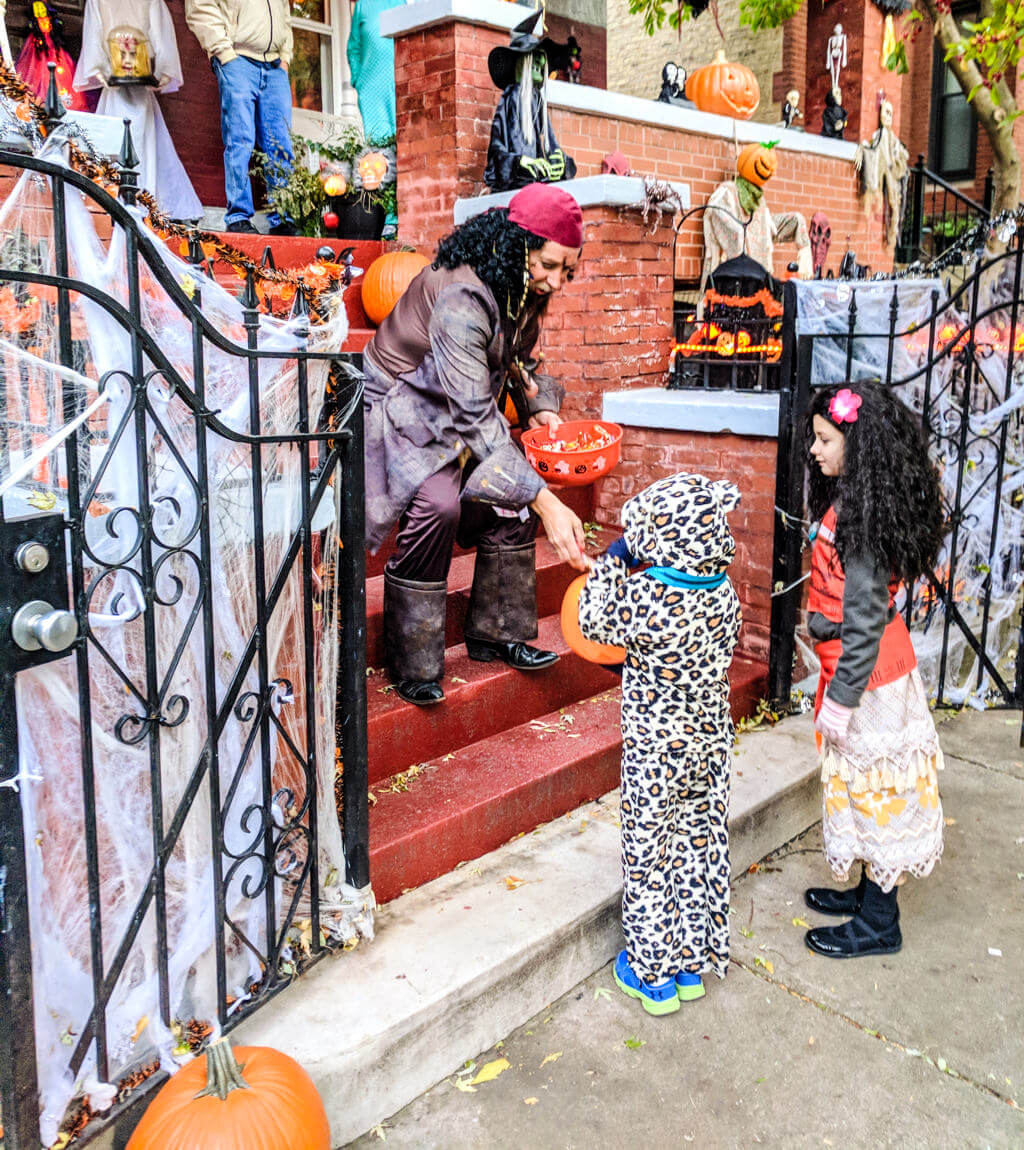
(249, 43)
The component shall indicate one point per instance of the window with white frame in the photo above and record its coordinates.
(319, 46)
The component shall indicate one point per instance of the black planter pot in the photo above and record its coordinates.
(356, 219)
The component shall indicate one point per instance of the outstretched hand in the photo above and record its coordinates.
(563, 528)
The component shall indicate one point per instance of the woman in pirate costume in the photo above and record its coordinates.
(878, 500)
(440, 459)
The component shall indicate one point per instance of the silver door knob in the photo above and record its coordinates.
(37, 625)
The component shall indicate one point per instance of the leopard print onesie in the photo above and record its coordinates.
(677, 730)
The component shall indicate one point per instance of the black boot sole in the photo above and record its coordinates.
(418, 702)
(866, 951)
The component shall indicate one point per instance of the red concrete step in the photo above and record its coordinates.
(580, 499)
(553, 577)
(481, 699)
(459, 808)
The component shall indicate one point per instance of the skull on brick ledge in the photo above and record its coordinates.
(821, 237)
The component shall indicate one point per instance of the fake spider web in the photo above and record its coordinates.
(163, 661)
(975, 398)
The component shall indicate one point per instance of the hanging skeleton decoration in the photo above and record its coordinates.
(884, 171)
(523, 148)
(821, 238)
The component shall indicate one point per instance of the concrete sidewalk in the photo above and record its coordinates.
(920, 1049)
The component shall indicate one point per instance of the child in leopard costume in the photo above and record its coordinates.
(678, 622)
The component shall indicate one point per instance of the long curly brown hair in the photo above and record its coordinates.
(888, 499)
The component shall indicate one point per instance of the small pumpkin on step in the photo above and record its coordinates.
(252, 1098)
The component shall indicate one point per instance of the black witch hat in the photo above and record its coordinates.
(502, 62)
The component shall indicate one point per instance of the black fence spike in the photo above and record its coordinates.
(54, 106)
(300, 308)
(249, 300)
(268, 258)
(195, 250)
(127, 165)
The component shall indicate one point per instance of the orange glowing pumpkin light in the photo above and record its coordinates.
(335, 184)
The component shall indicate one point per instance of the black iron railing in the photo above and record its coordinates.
(956, 363)
(278, 861)
(936, 215)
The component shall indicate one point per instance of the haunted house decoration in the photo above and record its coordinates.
(735, 341)
(44, 45)
(523, 148)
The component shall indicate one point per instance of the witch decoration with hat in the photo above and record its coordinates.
(523, 148)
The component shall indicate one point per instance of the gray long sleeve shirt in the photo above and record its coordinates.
(865, 615)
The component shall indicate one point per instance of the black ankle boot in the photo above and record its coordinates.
(826, 900)
(519, 655)
(875, 929)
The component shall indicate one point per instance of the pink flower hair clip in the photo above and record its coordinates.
(843, 406)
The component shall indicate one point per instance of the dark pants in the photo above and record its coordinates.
(436, 519)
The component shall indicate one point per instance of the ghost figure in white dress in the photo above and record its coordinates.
(130, 51)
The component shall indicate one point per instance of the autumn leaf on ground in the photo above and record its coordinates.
(379, 1132)
(530, 1101)
(465, 1087)
(550, 1058)
(633, 1043)
(746, 933)
(601, 992)
(512, 882)
(950, 822)
(800, 922)
(765, 962)
(490, 1070)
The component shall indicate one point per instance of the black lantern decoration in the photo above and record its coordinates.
(737, 341)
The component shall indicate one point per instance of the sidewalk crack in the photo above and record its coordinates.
(986, 767)
(910, 1052)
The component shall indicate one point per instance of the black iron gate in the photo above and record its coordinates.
(262, 866)
(958, 363)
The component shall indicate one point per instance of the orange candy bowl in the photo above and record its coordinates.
(581, 451)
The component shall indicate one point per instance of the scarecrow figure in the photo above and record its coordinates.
(523, 148)
(882, 163)
(737, 220)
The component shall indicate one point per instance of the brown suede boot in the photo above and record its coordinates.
(414, 616)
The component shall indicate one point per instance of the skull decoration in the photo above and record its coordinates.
(821, 238)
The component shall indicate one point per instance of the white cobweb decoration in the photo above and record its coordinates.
(150, 668)
(989, 537)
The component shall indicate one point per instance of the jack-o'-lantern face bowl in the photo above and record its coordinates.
(758, 163)
(579, 452)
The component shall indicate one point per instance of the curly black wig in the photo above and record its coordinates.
(888, 499)
(496, 250)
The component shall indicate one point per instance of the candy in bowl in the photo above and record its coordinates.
(578, 452)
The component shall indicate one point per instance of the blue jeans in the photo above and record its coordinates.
(255, 111)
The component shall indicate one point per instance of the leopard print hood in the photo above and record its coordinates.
(680, 522)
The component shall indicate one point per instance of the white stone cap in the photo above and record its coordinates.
(416, 15)
(588, 191)
(103, 132)
(736, 412)
(618, 106)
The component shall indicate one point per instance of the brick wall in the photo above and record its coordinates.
(635, 60)
(593, 42)
(748, 462)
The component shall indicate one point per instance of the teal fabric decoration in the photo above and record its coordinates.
(371, 60)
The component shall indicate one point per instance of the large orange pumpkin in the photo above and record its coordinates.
(758, 163)
(385, 281)
(724, 88)
(253, 1098)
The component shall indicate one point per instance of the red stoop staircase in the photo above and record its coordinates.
(506, 750)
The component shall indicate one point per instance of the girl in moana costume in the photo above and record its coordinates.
(877, 499)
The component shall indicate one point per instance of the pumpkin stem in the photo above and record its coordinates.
(223, 1074)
